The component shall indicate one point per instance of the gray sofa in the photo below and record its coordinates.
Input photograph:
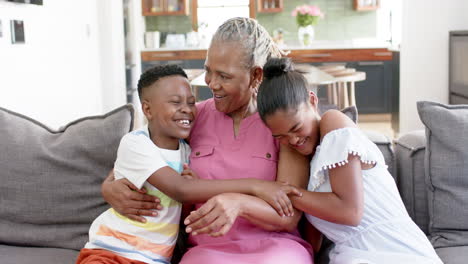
(50, 184)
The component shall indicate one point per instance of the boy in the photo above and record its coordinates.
(153, 157)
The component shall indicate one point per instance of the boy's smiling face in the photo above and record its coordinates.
(169, 106)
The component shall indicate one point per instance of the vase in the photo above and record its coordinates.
(306, 35)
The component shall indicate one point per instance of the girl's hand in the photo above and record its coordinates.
(276, 194)
(189, 173)
(128, 200)
(216, 216)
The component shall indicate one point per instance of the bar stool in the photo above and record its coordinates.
(341, 91)
(346, 86)
(332, 93)
(337, 92)
(331, 67)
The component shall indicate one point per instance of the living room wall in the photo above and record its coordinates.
(71, 64)
(424, 54)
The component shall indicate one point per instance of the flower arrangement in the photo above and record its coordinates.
(307, 15)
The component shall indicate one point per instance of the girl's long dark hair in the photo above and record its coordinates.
(282, 88)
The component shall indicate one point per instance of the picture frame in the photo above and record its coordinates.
(33, 2)
(17, 32)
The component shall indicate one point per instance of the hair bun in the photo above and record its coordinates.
(276, 67)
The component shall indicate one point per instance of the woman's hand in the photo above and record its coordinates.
(128, 200)
(276, 194)
(216, 216)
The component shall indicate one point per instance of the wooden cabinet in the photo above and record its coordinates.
(165, 7)
(374, 95)
(339, 55)
(269, 6)
(366, 5)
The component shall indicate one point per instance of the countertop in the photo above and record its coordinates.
(316, 45)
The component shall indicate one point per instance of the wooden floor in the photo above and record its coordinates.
(377, 122)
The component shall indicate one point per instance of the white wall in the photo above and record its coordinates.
(62, 71)
(424, 53)
(110, 34)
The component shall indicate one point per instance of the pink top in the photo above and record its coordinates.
(218, 154)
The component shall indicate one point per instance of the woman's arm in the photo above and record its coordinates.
(128, 200)
(293, 168)
(219, 213)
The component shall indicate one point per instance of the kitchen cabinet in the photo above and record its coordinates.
(374, 95)
(165, 7)
(269, 6)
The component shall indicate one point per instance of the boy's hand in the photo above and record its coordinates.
(189, 173)
(276, 194)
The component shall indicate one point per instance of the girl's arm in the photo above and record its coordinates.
(344, 205)
(218, 214)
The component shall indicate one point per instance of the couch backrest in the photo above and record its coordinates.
(385, 146)
(50, 180)
(409, 151)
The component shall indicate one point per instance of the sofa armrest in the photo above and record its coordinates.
(410, 150)
(385, 146)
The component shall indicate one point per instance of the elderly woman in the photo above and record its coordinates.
(229, 141)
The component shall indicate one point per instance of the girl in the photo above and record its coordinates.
(351, 198)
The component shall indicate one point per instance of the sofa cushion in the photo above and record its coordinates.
(453, 255)
(385, 146)
(50, 180)
(446, 172)
(34, 255)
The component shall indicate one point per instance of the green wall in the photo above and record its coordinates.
(341, 22)
(175, 24)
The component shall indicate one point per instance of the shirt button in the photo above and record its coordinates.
(268, 155)
(197, 153)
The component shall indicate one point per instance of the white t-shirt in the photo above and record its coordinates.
(154, 241)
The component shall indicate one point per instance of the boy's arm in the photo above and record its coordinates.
(186, 190)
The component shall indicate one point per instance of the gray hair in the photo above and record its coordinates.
(257, 44)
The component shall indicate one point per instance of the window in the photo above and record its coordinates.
(212, 13)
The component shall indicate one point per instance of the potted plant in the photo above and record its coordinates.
(306, 17)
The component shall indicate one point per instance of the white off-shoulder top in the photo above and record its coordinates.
(386, 233)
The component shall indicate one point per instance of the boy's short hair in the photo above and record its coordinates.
(157, 72)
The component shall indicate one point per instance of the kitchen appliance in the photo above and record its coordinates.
(152, 39)
(175, 41)
(458, 67)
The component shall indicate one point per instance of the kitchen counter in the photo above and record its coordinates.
(316, 45)
(319, 51)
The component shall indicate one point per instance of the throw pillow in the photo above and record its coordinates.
(446, 169)
(50, 180)
(351, 112)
